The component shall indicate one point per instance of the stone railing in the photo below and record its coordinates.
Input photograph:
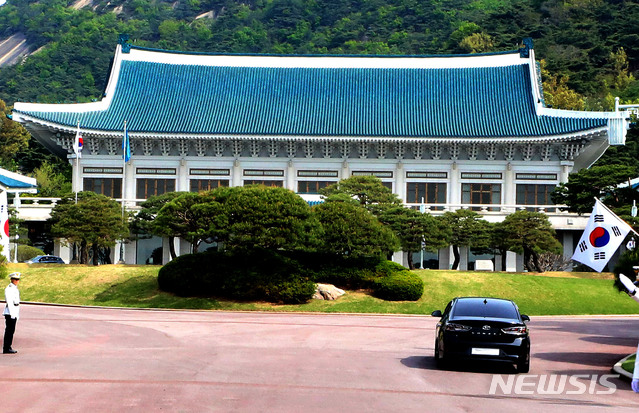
(437, 209)
(39, 209)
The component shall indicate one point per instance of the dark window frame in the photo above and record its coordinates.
(148, 187)
(111, 187)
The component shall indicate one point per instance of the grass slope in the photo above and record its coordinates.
(136, 286)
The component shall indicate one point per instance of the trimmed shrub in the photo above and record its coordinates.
(400, 286)
(296, 291)
(387, 268)
(186, 275)
(283, 277)
(26, 252)
(247, 275)
(348, 273)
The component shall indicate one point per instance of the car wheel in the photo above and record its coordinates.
(440, 362)
(523, 366)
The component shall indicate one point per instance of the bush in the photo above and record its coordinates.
(283, 277)
(296, 291)
(188, 275)
(26, 252)
(246, 275)
(348, 273)
(400, 286)
(387, 268)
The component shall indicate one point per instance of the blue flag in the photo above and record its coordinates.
(126, 145)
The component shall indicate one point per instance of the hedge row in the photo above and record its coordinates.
(287, 277)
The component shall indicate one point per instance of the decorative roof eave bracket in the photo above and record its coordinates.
(587, 134)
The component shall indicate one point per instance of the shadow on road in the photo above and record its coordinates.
(428, 363)
(588, 359)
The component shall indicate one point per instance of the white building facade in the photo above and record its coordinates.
(443, 132)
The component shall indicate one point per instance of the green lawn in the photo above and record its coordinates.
(136, 286)
(629, 365)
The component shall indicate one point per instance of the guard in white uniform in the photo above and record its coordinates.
(11, 312)
(631, 289)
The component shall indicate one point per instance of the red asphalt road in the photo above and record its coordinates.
(107, 360)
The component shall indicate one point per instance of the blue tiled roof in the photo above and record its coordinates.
(14, 183)
(397, 102)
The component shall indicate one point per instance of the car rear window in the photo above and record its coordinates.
(492, 308)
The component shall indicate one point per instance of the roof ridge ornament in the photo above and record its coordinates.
(528, 46)
(123, 40)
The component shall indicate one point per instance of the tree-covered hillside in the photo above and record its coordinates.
(588, 46)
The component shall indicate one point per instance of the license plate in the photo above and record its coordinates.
(485, 351)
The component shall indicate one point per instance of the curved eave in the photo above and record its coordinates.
(583, 134)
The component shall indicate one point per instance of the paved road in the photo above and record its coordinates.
(12, 49)
(106, 360)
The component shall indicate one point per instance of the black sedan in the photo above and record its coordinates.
(482, 328)
(45, 259)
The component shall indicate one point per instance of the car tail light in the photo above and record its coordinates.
(457, 327)
(515, 330)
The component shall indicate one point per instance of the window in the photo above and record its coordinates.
(430, 260)
(201, 171)
(198, 185)
(149, 251)
(481, 194)
(379, 174)
(315, 174)
(263, 172)
(481, 175)
(147, 187)
(492, 308)
(275, 184)
(312, 187)
(155, 171)
(111, 187)
(535, 194)
(429, 192)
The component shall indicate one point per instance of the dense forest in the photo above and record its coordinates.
(587, 48)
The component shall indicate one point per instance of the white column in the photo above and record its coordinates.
(463, 258)
(290, 176)
(509, 196)
(345, 172)
(445, 258)
(128, 185)
(454, 191)
(400, 181)
(236, 173)
(182, 183)
(511, 262)
(566, 169)
(569, 243)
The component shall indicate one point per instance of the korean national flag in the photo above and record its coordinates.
(601, 238)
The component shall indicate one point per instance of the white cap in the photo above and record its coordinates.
(15, 275)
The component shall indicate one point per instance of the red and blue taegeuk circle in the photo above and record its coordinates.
(599, 237)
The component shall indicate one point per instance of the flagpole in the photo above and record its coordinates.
(123, 167)
(125, 143)
(77, 162)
